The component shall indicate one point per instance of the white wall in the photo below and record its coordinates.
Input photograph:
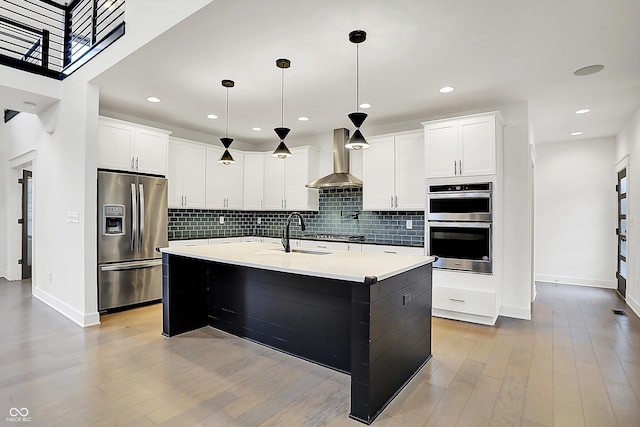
(628, 144)
(64, 140)
(576, 212)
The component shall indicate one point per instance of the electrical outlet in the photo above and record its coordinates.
(406, 298)
(221, 220)
(409, 224)
(259, 220)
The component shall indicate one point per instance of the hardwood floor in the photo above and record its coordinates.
(575, 364)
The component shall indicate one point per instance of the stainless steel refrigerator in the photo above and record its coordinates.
(132, 223)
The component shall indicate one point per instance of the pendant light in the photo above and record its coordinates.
(282, 152)
(357, 141)
(227, 158)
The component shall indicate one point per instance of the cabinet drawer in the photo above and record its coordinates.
(482, 303)
(388, 249)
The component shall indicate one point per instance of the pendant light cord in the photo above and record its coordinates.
(226, 130)
(357, 77)
(282, 101)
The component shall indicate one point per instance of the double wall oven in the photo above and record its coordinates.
(459, 226)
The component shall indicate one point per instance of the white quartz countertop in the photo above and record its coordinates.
(341, 265)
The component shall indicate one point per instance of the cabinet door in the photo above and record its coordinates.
(150, 149)
(234, 177)
(296, 177)
(409, 167)
(274, 170)
(253, 180)
(215, 182)
(115, 146)
(174, 175)
(478, 146)
(193, 175)
(441, 149)
(378, 174)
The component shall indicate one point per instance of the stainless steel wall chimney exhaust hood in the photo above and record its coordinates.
(340, 178)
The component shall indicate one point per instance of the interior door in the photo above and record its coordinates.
(621, 231)
(27, 221)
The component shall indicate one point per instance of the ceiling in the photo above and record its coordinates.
(493, 52)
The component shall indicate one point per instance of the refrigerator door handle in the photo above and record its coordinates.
(141, 201)
(131, 265)
(134, 218)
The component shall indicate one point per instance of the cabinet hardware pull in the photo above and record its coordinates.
(456, 300)
(391, 201)
(390, 252)
(455, 168)
(132, 163)
(320, 246)
(460, 163)
(137, 163)
(396, 200)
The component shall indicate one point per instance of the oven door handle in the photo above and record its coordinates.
(454, 224)
(436, 196)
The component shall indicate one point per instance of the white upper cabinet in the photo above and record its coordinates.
(285, 180)
(224, 183)
(462, 146)
(393, 172)
(186, 173)
(253, 181)
(130, 147)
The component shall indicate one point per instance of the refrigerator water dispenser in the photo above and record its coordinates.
(113, 220)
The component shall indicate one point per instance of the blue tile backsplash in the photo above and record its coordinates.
(340, 212)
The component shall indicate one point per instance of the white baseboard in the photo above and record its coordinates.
(83, 320)
(516, 312)
(581, 281)
(635, 305)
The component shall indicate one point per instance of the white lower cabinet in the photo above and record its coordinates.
(471, 305)
(389, 249)
(223, 240)
(325, 246)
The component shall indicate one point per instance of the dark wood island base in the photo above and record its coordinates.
(378, 331)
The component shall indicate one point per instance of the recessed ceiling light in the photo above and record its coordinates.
(365, 105)
(303, 118)
(583, 111)
(446, 89)
(211, 116)
(256, 129)
(589, 69)
(576, 133)
(153, 99)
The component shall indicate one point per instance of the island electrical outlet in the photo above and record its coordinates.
(406, 298)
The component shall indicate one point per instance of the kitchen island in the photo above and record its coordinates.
(365, 314)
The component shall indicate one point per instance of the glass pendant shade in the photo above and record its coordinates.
(357, 141)
(227, 158)
(282, 152)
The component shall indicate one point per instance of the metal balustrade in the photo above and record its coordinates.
(48, 38)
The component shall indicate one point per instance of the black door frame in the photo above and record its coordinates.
(621, 234)
(26, 266)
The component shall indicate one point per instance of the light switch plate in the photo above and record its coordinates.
(409, 224)
(221, 220)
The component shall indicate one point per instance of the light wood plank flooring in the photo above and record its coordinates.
(575, 364)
